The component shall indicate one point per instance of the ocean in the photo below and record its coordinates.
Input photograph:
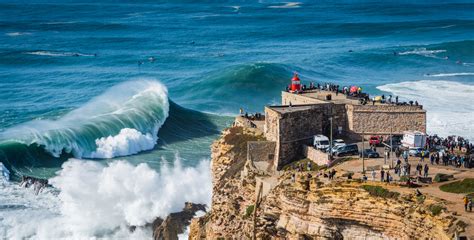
(117, 102)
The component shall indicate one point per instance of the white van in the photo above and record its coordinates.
(320, 142)
(414, 139)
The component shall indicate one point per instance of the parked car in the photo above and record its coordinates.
(334, 148)
(320, 142)
(349, 149)
(369, 153)
(338, 142)
(396, 141)
(415, 151)
(375, 140)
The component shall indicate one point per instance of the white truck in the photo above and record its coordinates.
(414, 139)
(320, 142)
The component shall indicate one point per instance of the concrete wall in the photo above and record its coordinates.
(315, 155)
(261, 154)
(379, 119)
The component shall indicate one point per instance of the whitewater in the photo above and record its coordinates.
(92, 200)
(117, 103)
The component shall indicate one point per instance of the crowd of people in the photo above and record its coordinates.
(354, 91)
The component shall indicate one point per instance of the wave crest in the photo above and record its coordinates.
(122, 121)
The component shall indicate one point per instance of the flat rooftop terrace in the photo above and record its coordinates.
(321, 95)
(340, 98)
(288, 109)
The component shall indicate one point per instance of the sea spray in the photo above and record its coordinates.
(448, 104)
(104, 201)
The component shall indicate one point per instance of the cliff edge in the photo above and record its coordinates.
(248, 203)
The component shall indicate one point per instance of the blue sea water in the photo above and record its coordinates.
(74, 74)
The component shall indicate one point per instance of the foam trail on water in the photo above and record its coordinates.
(93, 200)
(450, 74)
(59, 54)
(423, 52)
(448, 104)
(287, 5)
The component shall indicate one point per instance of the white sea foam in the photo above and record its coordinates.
(96, 201)
(449, 105)
(423, 52)
(59, 54)
(128, 141)
(450, 74)
(287, 5)
(16, 34)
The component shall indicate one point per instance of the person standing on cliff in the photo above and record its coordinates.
(382, 175)
(466, 201)
(405, 155)
(426, 169)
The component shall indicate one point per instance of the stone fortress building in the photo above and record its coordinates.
(291, 126)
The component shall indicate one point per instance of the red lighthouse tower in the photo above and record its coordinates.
(295, 83)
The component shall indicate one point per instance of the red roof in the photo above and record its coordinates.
(295, 77)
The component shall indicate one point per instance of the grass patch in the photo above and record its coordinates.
(464, 186)
(304, 161)
(379, 191)
(435, 209)
(249, 211)
(404, 178)
(441, 177)
(420, 199)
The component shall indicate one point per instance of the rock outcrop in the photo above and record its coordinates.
(308, 207)
(175, 223)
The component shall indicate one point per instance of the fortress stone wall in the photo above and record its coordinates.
(385, 119)
(292, 127)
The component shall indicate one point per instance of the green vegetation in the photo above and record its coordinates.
(441, 177)
(464, 186)
(435, 209)
(249, 211)
(314, 166)
(404, 178)
(420, 199)
(379, 191)
(238, 138)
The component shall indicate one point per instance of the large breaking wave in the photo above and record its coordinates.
(449, 104)
(123, 121)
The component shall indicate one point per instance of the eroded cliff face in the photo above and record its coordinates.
(309, 208)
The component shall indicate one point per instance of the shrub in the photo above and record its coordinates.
(441, 177)
(464, 186)
(379, 191)
(435, 209)
(420, 199)
(249, 211)
(404, 178)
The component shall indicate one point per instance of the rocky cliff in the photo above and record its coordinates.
(309, 207)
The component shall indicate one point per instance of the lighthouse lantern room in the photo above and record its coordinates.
(295, 83)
